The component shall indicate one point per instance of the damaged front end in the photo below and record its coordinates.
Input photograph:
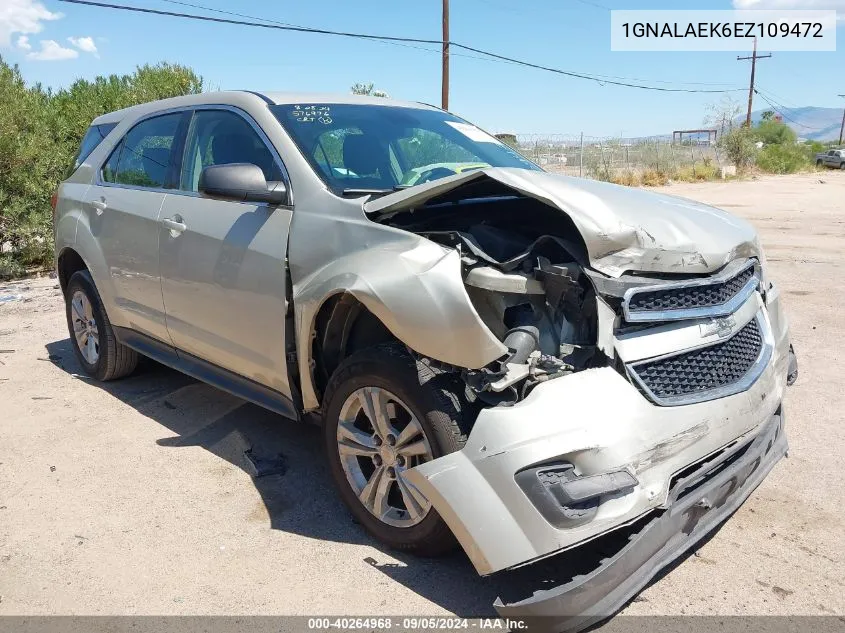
(536, 299)
(643, 383)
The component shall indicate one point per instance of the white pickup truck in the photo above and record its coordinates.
(832, 158)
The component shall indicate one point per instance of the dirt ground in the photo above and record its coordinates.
(134, 497)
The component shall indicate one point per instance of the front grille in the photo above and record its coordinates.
(693, 374)
(684, 298)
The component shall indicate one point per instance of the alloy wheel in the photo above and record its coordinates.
(378, 439)
(85, 327)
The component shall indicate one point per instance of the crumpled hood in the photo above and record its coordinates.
(623, 228)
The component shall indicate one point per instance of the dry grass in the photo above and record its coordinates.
(654, 177)
(696, 173)
(626, 177)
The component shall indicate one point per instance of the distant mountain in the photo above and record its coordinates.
(810, 122)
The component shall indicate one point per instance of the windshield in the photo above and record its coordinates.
(360, 149)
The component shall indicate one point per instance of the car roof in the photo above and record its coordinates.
(247, 97)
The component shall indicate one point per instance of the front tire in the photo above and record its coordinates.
(385, 412)
(91, 333)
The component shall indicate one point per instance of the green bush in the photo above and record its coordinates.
(40, 131)
(811, 148)
(738, 145)
(783, 159)
(774, 133)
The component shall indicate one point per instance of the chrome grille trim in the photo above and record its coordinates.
(677, 314)
(743, 384)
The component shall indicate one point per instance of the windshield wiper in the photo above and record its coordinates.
(365, 192)
(373, 192)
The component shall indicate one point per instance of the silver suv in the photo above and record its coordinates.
(523, 363)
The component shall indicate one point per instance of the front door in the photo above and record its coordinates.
(123, 212)
(222, 262)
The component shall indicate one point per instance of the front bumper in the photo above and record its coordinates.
(698, 503)
(598, 423)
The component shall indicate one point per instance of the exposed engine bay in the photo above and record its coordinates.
(523, 268)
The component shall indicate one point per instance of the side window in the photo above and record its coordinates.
(142, 158)
(110, 168)
(92, 138)
(220, 137)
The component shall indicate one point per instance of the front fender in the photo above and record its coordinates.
(415, 289)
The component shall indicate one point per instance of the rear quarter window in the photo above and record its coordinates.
(93, 137)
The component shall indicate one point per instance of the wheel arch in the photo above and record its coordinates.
(68, 262)
(341, 326)
(418, 295)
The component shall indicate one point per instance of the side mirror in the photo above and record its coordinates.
(241, 182)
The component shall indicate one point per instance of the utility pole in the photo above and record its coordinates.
(754, 57)
(842, 127)
(444, 100)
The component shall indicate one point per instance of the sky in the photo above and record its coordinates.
(54, 43)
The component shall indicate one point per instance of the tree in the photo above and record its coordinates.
(27, 165)
(774, 133)
(368, 89)
(768, 115)
(739, 146)
(40, 132)
(722, 115)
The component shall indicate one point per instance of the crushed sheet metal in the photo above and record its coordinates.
(623, 228)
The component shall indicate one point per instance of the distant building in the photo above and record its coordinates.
(678, 136)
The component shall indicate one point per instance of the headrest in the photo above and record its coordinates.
(362, 154)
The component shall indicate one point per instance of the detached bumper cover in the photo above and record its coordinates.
(699, 501)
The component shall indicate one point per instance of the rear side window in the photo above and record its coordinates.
(142, 158)
(93, 137)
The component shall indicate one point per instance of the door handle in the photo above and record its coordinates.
(99, 205)
(175, 225)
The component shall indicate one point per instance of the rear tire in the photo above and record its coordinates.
(819, 163)
(424, 416)
(91, 334)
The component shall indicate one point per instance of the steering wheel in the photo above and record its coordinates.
(435, 174)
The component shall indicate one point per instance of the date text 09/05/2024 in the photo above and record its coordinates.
(415, 623)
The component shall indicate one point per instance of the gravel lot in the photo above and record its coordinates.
(134, 497)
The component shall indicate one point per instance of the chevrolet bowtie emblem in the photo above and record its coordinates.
(721, 327)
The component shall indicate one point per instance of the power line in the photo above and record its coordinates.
(438, 52)
(280, 27)
(570, 73)
(253, 17)
(778, 98)
(429, 50)
(779, 109)
(394, 39)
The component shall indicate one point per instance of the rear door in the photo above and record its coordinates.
(223, 266)
(123, 208)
